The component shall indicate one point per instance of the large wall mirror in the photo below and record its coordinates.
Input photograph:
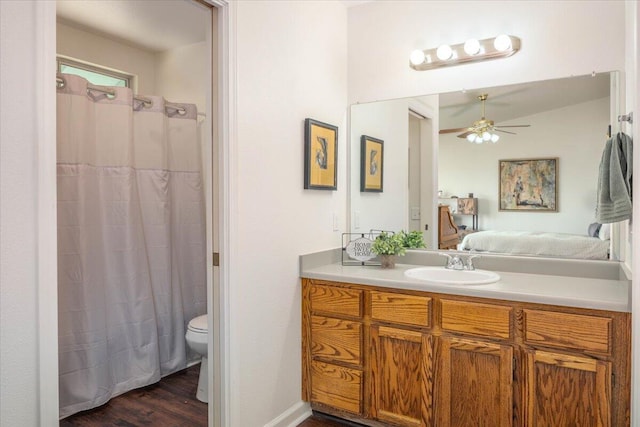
(566, 121)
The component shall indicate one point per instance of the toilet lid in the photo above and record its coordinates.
(199, 324)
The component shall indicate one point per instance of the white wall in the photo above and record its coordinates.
(558, 40)
(28, 373)
(414, 172)
(18, 232)
(90, 47)
(291, 64)
(182, 74)
(389, 122)
(575, 134)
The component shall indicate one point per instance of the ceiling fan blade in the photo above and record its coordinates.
(464, 135)
(505, 131)
(452, 130)
(512, 126)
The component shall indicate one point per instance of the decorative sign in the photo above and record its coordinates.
(356, 248)
(360, 249)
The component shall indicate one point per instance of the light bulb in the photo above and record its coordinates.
(479, 139)
(502, 42)
(471, 137)
(472, 47)
(495, 138)
(417, 57)
(486, 136)
(444, 52)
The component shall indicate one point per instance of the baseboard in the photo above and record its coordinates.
(292, 416)
(193, 362)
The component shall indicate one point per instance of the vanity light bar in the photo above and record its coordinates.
(472, 50)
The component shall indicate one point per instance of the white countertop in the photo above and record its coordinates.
(593, 293)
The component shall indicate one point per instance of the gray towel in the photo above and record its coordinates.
(614, 180)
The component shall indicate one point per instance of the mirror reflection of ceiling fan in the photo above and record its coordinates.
(482, 130)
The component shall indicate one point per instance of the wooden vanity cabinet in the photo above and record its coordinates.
(385, 357)
(333, 340)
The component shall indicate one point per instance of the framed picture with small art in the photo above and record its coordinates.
(528, 185)
(320, 155)
(371, 164)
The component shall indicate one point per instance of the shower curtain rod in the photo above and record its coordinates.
(146, 101)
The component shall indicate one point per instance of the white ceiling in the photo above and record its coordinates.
(152, 25)
(461, 109)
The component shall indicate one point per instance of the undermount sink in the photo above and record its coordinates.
(452, 277)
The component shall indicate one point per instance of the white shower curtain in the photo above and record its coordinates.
(131, 241)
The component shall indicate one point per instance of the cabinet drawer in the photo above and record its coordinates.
(336, 386)
(400, 308)
(336, 339)
(331, 299)
(486, 320)
(562, 330)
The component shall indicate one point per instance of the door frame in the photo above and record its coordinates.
(46, 263)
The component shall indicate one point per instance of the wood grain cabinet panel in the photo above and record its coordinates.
(565, 330)
(336, 340)
(486, 320)
(336, 386)
(336, 300)
(401, 376)
(386, 357)
(474, 383)
(400, 308)
(566, 390)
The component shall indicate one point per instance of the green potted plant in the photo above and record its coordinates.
(388, 246)
(412, 239)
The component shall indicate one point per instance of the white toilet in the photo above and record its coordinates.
(197, 340)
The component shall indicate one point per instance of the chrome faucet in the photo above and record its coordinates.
(459, 262)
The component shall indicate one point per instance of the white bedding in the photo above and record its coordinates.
(537, 243)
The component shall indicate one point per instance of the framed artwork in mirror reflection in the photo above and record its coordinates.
(371, 164)
(529, 185)
(320, 155)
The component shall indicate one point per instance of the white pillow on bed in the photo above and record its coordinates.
(605, 232)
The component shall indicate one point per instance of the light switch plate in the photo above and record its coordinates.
(415, 213)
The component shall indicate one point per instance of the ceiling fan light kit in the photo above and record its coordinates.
(472, 50)
(482, 130)
(483, 137)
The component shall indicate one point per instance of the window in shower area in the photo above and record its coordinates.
(93, 73)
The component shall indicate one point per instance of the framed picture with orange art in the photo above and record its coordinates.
(371, 164)
(320, 155)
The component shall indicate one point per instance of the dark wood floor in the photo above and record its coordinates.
(321, 420)
(170, 403)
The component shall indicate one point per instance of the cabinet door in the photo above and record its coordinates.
(401, 376)
(564, 390)
(474, 383)
(336, 386)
